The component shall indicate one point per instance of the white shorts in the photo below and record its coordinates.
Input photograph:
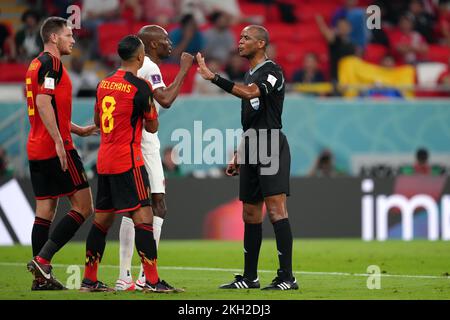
(155, 171)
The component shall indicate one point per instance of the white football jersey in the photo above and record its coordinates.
(150, 71)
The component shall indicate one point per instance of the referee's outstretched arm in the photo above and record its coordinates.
(239, 90)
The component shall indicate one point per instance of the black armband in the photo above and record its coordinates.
(223, 83)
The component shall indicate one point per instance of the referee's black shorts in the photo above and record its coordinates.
(123, 192)
(49, 181)
(255, 185)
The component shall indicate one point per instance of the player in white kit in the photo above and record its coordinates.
(157, 47)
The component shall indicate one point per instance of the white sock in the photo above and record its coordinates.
(157, 225)
(126, 237)
(141, 275)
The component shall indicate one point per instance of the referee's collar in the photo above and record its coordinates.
(259, 66)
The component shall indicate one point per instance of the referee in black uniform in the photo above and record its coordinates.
(261, 181)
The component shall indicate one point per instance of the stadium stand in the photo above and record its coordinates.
(13, 72)
(109, 35)
(375, 52)
(292, 40)
(438, 53)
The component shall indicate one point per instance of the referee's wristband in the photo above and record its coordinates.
(223, 83)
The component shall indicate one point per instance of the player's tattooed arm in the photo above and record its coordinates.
(166, 95)
(242, 91)
(151, 125)
(44, 105)
(151, 122)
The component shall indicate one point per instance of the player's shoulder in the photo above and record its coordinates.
(49, 61)
(45, 57)
(150, 63)
(148, 67)
(111, 74)
(142, 85)
(109, 77)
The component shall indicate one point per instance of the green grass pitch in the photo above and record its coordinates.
(325, 269)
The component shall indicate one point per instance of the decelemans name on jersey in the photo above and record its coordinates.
(119, 86)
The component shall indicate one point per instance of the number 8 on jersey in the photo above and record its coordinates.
(108, 107)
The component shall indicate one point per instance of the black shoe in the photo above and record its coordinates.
(44, 271)
(97, 286)
(40, 284)
(161, 287)
(282, 282)
(241, 283)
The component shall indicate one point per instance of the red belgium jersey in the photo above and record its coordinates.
(123, 102)
(47, 75)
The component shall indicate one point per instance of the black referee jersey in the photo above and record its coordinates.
(264, 112)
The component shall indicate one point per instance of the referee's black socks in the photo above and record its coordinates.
(283, 237)
(63, 232)
(252, 244)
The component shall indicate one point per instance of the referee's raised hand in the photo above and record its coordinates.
(203, 69)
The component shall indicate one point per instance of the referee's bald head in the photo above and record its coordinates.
(261, 33)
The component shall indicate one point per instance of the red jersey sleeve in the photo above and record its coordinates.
(49, 75)
(144, 102)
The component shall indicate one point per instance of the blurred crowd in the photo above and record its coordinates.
(325, 166)
(408, 29)
(308, 39)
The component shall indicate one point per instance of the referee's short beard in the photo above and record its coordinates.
(248, 56)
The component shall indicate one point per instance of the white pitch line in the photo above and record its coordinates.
(17, 264)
